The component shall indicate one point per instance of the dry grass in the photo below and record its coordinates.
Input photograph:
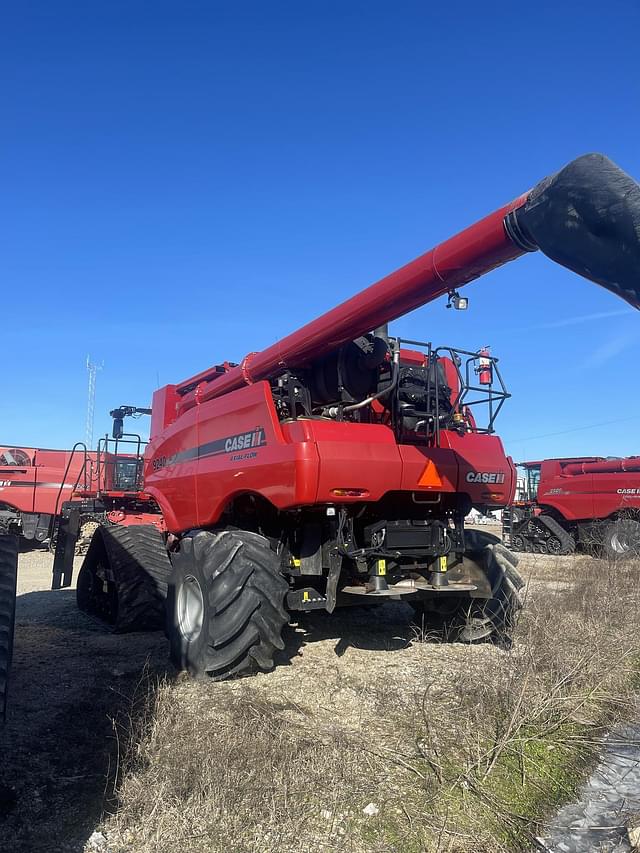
(459, 748)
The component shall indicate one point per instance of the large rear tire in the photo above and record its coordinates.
(225, 606)
(621, 539)
(492, 619)
(8, 579)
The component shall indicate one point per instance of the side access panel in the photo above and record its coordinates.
(221, 449)
(571, 496)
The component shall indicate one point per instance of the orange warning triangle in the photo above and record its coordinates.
(430, 475)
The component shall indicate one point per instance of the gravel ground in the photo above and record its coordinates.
(58, 750)
(72, 680)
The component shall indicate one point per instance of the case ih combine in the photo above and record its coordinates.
(587, 501)
(35, 482)
(336, 467)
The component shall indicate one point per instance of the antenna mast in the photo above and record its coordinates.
(92, 369)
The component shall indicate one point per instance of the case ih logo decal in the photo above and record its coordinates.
(239, 441)
(629, 491)
(245, 440)
(485, 477)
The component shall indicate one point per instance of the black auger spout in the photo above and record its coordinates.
(586, 217)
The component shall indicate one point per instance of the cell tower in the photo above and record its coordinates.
(92, 370)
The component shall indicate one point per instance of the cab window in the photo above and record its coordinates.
(533, 481)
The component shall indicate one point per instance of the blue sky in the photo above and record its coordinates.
(183, 182)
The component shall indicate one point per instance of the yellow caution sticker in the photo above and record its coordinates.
(382, 567)
(305, 595)
(442, 564)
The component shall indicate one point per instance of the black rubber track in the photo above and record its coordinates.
(134, 563)
(8, 578)
(545, 527)
(567, 542)
(243, 611)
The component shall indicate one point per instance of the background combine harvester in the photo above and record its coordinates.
(589, 502)
(336, 466)
(34, 482)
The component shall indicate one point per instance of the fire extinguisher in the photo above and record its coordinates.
(483, 369)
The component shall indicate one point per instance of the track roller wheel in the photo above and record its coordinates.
(225, 607)
(8, 577)
(554, 546)
(517, 543)
(621, 539)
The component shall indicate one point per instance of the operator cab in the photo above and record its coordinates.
(528, 481)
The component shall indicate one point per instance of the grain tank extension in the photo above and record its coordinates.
(336, 466)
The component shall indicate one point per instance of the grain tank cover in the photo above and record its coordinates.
(587, 218)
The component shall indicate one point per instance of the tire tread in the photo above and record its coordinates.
(245, 594)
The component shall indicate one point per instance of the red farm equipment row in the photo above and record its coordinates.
(33, 484)
(590, 502)
(337, 466)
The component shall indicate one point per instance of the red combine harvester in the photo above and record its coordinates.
(336, 467)
(33, 484)
(588, 501)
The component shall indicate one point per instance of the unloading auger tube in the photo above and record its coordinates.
(586, 217)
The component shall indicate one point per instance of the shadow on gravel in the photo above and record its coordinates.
(386, 627)
(27, 546)
(74, 693)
